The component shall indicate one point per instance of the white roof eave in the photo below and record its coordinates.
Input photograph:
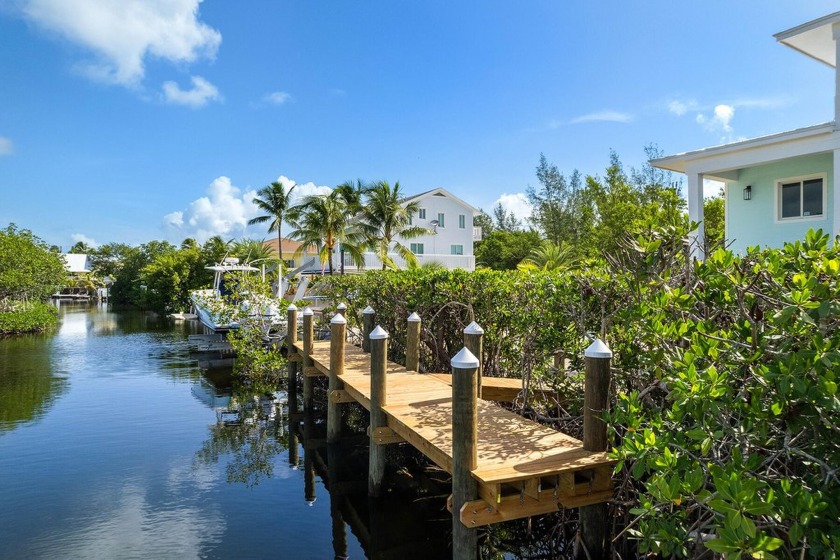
(814, 39)
(677, 162)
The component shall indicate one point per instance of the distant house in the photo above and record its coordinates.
(81, 286)
(451, 233)
(290, 247)
(776, 186)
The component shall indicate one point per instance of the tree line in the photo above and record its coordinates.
(575, 219)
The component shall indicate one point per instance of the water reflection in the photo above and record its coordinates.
(28, 385)
(249, 433)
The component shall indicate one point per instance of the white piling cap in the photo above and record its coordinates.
(464, 360)
(473, 328)
(598, 349)
(378, 333)
(338, 319)
(292, 307)
(341, 306)
(308, 311)
(368, 310)
(414, 318)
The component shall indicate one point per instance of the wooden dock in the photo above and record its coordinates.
(523, 468)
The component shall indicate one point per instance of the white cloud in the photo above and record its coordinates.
(224, 210)
(201, 92)
(90, 242)
(720, 121)
(603, 116)
(6, 146)
(277, 97)
(516, 203)
(680, 108)
(123, 33)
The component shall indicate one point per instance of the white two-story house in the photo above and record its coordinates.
(776, 186)
(451, 233)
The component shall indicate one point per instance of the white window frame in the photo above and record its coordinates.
(452, 250)
(777, 197)
(441, 220)
(417, 248)
(462, 221)
(421, 213)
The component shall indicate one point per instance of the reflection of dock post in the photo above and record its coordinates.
(378, 367)
(464, 452)
(306, 362)
(291, 339)
(412, 343)
(593, 518)
(339, 529)
(338, 335)
(308, 461)
(368, 321)
(474, 342)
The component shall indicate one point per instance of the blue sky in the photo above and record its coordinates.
(132, 120)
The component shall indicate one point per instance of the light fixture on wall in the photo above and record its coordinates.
(748, 192)
(434, 224)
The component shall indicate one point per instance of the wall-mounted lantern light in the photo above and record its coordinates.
(748, 192)
(434, 224)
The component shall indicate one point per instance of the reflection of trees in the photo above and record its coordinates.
(249, 435)
(27, 384)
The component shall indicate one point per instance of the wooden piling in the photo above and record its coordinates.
(593, 518)
(368, 322)
(378, 391)
(338, 335)
(412, 343)
(306, 362)
(341, 309)
(474, 342)
(464, 451)
(291, 339)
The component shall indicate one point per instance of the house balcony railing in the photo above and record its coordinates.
(372, 262)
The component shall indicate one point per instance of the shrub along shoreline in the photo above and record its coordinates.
(725, 379)
(28, 318)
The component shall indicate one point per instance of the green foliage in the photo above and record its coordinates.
(29, 270)
(386, 218)
(128, 288)
(714, 215)
(171, 276)
(725, 372)
(503, 250)
(326, 221)
(24, 317)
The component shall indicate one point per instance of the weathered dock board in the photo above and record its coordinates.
(523, 469)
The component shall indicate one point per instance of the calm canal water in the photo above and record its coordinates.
(113, 445)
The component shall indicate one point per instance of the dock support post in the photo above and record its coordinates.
(341, 309)
(306, 362)
(378, 367)
(593, 518)
(291, 339)
(464, 453)
(474, 342)
(368, 322)
(412, 343)
(338, 336)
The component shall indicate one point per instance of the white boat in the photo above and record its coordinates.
(219, 316)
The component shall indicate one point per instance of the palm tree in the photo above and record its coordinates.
(549, 256)
(324, 221)
(385, 217)
(251, 250)
(351, 192)
(274, 200)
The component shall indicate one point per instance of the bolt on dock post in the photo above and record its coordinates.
(474, 342)
(464, 452)
(306, 363)
(593, 518)
(338, 335)
(378, 380)
(291, 339)
(368, 321)
(412, 343)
